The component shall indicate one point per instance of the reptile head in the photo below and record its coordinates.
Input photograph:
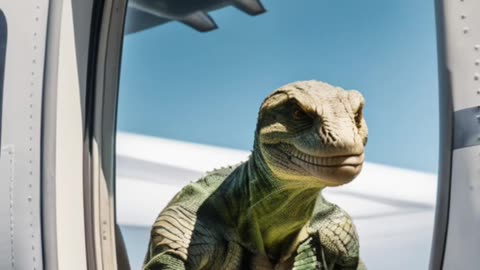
(312, 131)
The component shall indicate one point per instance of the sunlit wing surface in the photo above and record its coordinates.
(144, 14)
(392, 207)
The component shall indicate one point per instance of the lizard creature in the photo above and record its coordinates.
(268, 212)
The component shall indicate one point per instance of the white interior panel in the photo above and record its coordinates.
(463, 239)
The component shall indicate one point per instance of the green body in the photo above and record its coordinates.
(264, 213)
(211, 224)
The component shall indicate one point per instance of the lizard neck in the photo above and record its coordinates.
(277, 210)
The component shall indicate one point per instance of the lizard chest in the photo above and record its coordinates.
(238, 258)
(258, 262)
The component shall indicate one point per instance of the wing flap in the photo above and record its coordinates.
(200, 21)
(251, 7)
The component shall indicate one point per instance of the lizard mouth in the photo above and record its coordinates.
(332, 168)
(333, 161)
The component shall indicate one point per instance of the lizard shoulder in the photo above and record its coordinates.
(179, 232)
(195, 193)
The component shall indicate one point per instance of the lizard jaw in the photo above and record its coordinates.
(331, 170)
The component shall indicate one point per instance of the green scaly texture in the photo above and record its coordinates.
(249, 216)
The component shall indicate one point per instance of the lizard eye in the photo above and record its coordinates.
(298, 114)
(358, 116)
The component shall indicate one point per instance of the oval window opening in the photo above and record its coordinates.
(190, 96)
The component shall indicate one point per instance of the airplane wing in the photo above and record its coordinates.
(144, 14)
(141, 17)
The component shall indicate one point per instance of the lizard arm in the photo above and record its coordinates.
(165, 261)
(311, 256)
(338, 240)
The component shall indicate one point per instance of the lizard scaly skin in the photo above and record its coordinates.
(268, 212)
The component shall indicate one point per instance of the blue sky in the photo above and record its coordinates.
(207, 87)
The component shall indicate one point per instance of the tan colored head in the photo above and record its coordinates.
(312, 131)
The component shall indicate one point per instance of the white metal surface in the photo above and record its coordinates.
(463, 45)
(69, 152)
(21, 238)
(460, 58)
(463, 238)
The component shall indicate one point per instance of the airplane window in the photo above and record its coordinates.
(190, 95)
(3, 49)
